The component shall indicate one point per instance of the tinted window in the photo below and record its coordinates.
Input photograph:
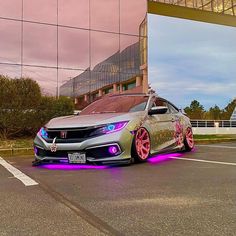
(159, 102)
(117, 104)
(172, 108)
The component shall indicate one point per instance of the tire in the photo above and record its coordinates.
(141, 145)
(188, 140)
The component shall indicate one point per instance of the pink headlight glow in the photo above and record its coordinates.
(115, 127)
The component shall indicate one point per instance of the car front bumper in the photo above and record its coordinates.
(91, 147)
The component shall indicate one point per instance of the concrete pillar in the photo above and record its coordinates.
(121, 88)
(86, 97)
(145, 78)
(76, 100)
(138, 81)
(114, 88)
(100, 92)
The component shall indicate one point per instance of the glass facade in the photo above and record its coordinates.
(82, 48)
(74, 47)
(219, 6)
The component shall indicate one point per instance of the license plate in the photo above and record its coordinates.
(77, 157)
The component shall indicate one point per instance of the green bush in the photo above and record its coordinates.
(23, 109)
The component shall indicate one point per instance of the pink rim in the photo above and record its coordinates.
(142, 143)
(189, 137)
(180, 139)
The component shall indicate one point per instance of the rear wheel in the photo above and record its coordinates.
(141, 145)
(188, 141)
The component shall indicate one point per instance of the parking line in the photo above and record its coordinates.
(26, 180)
(206, 161)
(215, 146)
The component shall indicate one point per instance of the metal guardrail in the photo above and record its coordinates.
(213, 123)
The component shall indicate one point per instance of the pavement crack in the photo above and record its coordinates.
(80, 211)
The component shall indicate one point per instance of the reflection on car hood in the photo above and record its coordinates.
(91, 120)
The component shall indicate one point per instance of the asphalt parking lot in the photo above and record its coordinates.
(175, 194)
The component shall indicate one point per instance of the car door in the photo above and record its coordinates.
(161, 126)
(178, 126)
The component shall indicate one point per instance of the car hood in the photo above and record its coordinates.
(91, 120)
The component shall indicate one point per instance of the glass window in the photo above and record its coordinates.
(139, 107)
(11, 9)
(99, 80)
(105, 15)
(40, 11)
(74, 13)
(73, 49)
(45, 77)
(129, 54)
(10, 42)
(108, 90)
(10, 71)
(172, 108)
(104, 52)
(40, 46)
(129, 86)
(71, 82)
(132, 14)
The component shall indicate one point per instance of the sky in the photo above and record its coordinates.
(192, 60)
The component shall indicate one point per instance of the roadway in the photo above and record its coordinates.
(177, 194)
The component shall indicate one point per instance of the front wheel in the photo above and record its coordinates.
(141, 145)
(188, 141)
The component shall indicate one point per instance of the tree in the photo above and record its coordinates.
(214, 113)
(195, 110)
(23, 109)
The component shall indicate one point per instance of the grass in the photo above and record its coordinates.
(214, 136)
(16, 143)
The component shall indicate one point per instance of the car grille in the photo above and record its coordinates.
(76, 135)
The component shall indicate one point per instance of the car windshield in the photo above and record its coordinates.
(117, 104)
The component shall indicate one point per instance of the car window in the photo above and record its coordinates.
(172, 108)
(139, 107)
(117, 104)
(159, 102)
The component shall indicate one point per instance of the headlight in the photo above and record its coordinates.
(43, 133)
(109, 128)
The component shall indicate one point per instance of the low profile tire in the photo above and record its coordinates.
(188, 140)
(141, 145)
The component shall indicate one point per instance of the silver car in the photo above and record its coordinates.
(115, 129)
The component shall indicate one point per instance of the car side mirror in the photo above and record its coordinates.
(157, 110)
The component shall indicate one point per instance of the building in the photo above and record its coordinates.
(233, 116)
(84, 49)
(121, 72)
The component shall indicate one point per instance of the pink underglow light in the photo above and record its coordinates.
(163, 157)
(71, 167)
